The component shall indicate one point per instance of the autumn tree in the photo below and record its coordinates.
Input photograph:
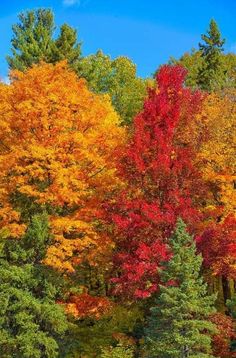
(162, 183)
(221, 340)
(33, 41)
(218, 246)
(58, 144)
(216, 154)
(216, 161)
(178, 325)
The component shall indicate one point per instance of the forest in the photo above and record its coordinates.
(117, 192)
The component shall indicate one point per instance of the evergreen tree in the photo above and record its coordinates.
(33, 41)
(178, 325)
(67, 47)
(211, 74)
(31, 323)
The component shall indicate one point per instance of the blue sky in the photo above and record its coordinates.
(147, 31)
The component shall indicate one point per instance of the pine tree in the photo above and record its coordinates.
(34, 41)
(211, 74)
(178, 325)
(31, 323)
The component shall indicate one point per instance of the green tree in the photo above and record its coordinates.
(67, 47)
(89, 336)
(33, 41)
(192, 61)
(178, 325)
(211, 74)
(119, 79)
(231, 305)
(31, 323)
(120, 351)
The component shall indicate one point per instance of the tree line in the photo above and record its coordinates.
(117, 216)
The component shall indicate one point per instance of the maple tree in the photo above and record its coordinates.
(162, 183)
(216, 162)
(225, 333)
(216, 154)
(218, 246)
(58, 143)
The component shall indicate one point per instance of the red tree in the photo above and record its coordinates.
(162, 183)
(218, 247)
(225, 333)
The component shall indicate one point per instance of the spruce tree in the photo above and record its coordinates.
(211, 75)
(31, 323)
(178, 324)
(33, 41)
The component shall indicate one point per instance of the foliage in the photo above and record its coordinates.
(178, 323)
(218, 246)
(32, 324)
(118, 78)
(87, 213)
(221, 340)
(162, 183)
(211, 74)
(90, 336)
(34, 41)
(192, 61)
(63, 138)
(216, 154)
(209, 61)
(117, 352)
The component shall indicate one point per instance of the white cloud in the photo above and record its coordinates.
(71, 2)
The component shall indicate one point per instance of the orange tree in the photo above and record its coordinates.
(58, 145)
(216, 161)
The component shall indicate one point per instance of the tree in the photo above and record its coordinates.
(118, 78)
(211, 74)
(117, 352)
(32, 324)
(33, 41)
(90, 336)
(218, 247)
(221, 341)
(58, 144)
(216, 153)
(178, 325)
(193, 62)
(162, 183)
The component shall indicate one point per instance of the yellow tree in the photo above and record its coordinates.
(217, 150)
(58, 145)
(216, 128)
